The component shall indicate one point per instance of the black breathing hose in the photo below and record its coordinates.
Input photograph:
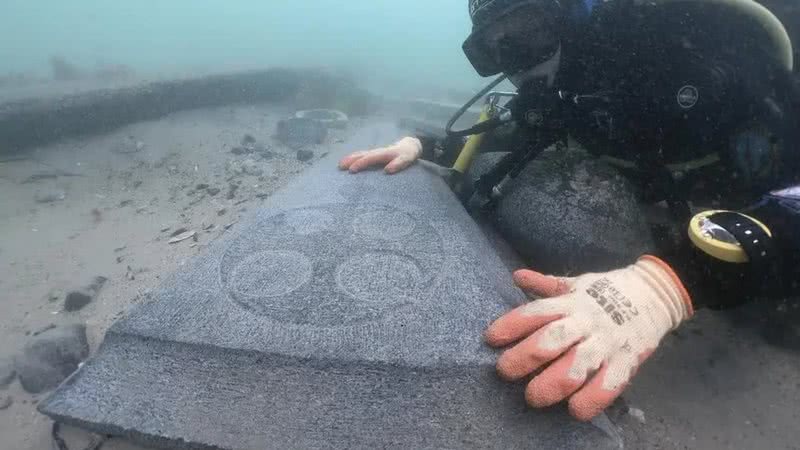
(480, 127)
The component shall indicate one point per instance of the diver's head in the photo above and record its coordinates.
(514, 36)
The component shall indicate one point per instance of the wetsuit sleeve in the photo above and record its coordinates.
(718, 284)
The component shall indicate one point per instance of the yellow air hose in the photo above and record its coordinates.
(472, 145)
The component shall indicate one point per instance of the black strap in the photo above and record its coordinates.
(757, 244)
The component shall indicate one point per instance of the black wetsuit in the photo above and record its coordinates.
(664, 112)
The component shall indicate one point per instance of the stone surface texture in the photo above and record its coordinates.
(347, 312)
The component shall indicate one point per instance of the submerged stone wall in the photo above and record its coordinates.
(37, 121)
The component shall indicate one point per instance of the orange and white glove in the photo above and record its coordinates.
(395, 157)
(593, 330)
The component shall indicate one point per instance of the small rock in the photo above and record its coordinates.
(5, 401)
(637, 414)
(51, 357)
(7, 372)
(125, 203)
(120, 258)
(208, 227)
(241, 151)
(54, 295)
(222, 211)
(180, 230)
(119, 249)
(183, 237)
(56, 195)
(129, 274)
(79, 298)
(48, 327)
(165, 229)
(234, 167)
(229, 225)
(304, 155)
(232, 188)
(201, 186)
(248, 140)
(251, 168)
(212, 191)
(76, 300)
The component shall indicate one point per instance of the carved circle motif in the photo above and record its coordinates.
(332, 265)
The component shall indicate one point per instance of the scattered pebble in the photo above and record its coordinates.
(304, 155)
(232, 188)
(637, 414)
(180, 230)
(79, 298)
(251, 168)
(228, 225)
(212, 191)
(222, 211)
(5, 401)
(54, 295)
(119, 249)
(56, 195)
(48, 327)
(129, 274)
(125, 203)
(184, 236)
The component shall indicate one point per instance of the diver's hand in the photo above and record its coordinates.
(395, 157)
(593, 330)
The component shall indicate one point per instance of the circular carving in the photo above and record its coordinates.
(384, 224)
(308, 221)
(270, 274)
(332, 265)
(375, 276)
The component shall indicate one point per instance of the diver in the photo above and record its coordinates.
(698, 117)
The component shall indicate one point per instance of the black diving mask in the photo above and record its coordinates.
(517, 39)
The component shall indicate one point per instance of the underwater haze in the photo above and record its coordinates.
(390, 43)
